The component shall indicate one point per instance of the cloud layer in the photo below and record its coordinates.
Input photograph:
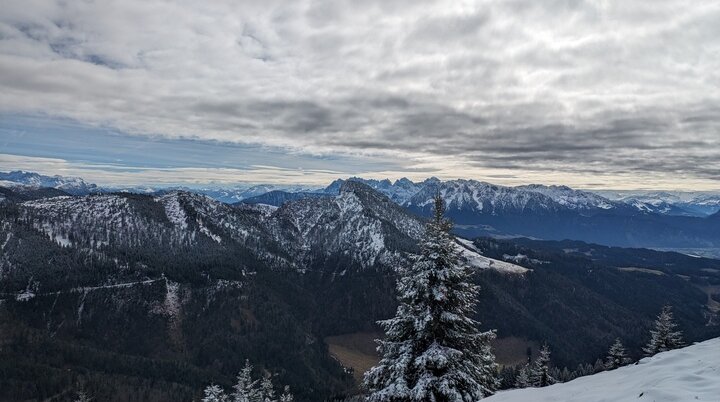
(610, 91)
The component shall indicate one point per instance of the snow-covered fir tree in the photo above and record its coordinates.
(586, 369)
(540, 376)
(286, 396)
(664, 337)
(433, 350)
(267, 391)
(245, 389)
(214, 393)
(617, 357)
(522, 380)
(565, 375)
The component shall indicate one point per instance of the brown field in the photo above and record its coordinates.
(645, 270)
(357, 350)
(512, 350)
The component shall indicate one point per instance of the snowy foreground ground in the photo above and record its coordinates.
(688, 374)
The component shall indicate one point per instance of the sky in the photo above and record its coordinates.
(591, 94)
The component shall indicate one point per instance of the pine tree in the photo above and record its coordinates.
(587, 369)
(523, 377)
(664, 337)
(244, 388)
(267, 391)
(555, 373)
(616, 356)
(213, 393)
(433, 351)
(565, 375)
(287, 396)
(540, 376)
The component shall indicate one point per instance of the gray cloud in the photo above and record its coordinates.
(572, 86)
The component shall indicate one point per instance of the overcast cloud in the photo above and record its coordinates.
(588, 93)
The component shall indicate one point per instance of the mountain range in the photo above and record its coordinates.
(699, 204)
(152, 297)
(538, 211)
(484, 209)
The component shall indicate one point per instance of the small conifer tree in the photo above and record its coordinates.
(664, 337)
(522, 380)
(245, 388)
(540, 376)
(214, 393)
(616, 356)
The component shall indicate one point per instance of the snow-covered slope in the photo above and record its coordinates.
(688, 374)
(474, 258)
(359, 223)
(176, 218)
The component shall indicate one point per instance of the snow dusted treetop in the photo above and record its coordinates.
(267, 392)
(287, 396)
(247, 390)
(522, 380)
(214, 393)
(433, 350)
(540, 376)
(245, 387)
(616, 356)
(664, 337)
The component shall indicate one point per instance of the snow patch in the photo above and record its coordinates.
(172, 299)
(522, 258)
(7, 239)
(471, 255)
(174, 211)
(25, 296)
(688, 374)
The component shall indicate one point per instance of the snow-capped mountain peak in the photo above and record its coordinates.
(70, 185)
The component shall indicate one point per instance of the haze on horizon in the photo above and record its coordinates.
(589, 94)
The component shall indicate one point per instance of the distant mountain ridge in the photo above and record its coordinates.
(402, 190)
(70, 185)
(280, 197)
(669, 202)
(78, 186)
(485, 209)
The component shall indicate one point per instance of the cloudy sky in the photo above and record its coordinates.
(592, 94)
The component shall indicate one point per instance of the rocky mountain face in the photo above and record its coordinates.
(140, 297)
(70, 185)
